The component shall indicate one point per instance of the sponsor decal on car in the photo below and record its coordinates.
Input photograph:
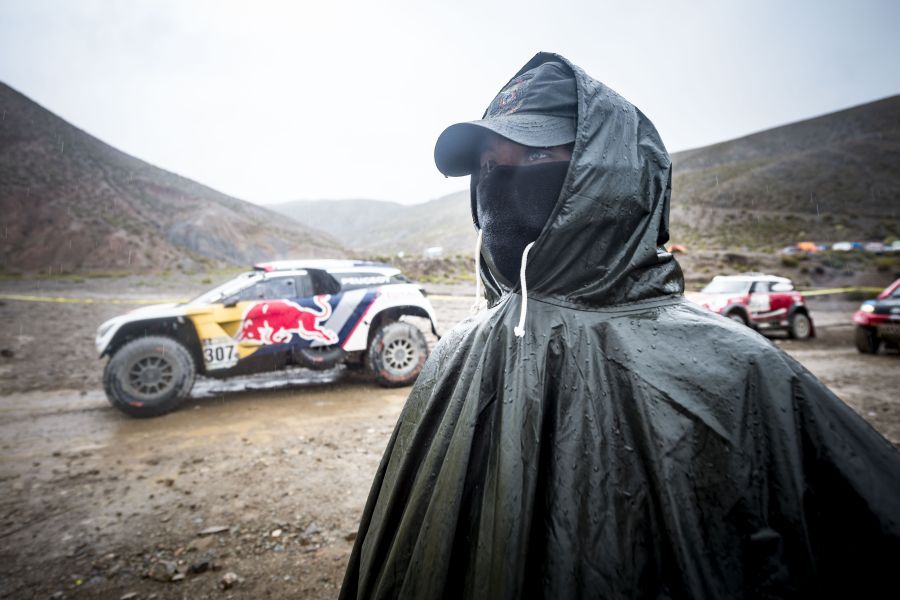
(277, 321)
(369, 280)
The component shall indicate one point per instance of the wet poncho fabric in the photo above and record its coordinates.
(631, 444)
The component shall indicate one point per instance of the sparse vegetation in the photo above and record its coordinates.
(790, 261)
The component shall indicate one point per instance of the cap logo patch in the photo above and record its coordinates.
(510, 98)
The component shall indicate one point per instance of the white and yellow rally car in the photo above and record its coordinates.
(313, 314)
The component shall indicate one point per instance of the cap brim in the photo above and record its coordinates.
(458, 148)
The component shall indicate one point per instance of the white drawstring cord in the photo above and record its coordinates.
(479, 301)
(520, 328)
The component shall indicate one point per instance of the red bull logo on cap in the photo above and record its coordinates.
(276, 321)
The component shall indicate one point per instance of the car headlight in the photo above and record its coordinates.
(867, 308)
(717, 303)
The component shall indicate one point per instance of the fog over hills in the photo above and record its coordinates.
(386, 228)
(70, 202)
(830, 178)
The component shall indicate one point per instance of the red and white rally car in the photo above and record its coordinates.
(764, 302)
(878, 321)
(313, 314)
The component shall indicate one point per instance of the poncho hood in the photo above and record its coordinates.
(603, 243)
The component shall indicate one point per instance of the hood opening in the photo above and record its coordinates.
(602, 242)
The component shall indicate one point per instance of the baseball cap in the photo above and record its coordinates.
(537, 108)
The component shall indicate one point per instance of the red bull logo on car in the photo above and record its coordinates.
(277, 321)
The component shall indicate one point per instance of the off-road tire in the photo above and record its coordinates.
(867, 341)
(737, 316)
(799, 327)
(149, 376)
(397, 354)
(319, 358)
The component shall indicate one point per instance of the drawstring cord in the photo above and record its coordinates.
(479, 300)
(520, 328)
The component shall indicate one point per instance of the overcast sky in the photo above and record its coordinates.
(277, 101)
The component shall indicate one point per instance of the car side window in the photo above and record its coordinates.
(280, 287)
(760, 287)
(323, 283)
(781, 287)
(257, 291)
(304, 286)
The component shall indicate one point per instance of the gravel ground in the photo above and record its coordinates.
(243, 494)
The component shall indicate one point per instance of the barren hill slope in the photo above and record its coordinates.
(829, 178)
(70, 202)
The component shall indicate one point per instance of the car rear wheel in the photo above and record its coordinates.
(149, 376)
(397, 354)
(867, 341)
(800, 327)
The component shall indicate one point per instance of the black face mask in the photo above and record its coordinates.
(512, 207)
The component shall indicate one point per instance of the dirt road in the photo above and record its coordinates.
(267, 485)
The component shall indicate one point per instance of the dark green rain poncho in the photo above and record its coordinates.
(630, 444)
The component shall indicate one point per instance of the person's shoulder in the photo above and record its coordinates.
(699, 326)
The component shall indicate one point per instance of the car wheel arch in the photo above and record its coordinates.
(180, 329)
(737, 311)
(392, 314)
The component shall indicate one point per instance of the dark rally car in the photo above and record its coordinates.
(878, 321)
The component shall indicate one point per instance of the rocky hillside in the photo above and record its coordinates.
(827, 179)
(70, 202)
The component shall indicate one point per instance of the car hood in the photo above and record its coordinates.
(707, 298)
(107, 329)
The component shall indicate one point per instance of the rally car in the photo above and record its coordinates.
(878, 321)
(313, 314)
(764, 302)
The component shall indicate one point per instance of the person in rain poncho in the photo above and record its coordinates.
(594, 435)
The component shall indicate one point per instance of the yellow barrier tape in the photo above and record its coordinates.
(60, 299)
(441, 297)
(826, 292)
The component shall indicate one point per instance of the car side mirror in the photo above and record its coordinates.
(231, 304)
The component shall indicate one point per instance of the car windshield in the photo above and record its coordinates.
(727, 286)
(228, 288)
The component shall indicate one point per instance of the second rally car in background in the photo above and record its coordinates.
(763, 302)
(313, 314)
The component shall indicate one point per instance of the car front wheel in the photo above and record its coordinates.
(737, 317)
(867, 341)
(397, 354)
(800, 327)
(149, 376)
